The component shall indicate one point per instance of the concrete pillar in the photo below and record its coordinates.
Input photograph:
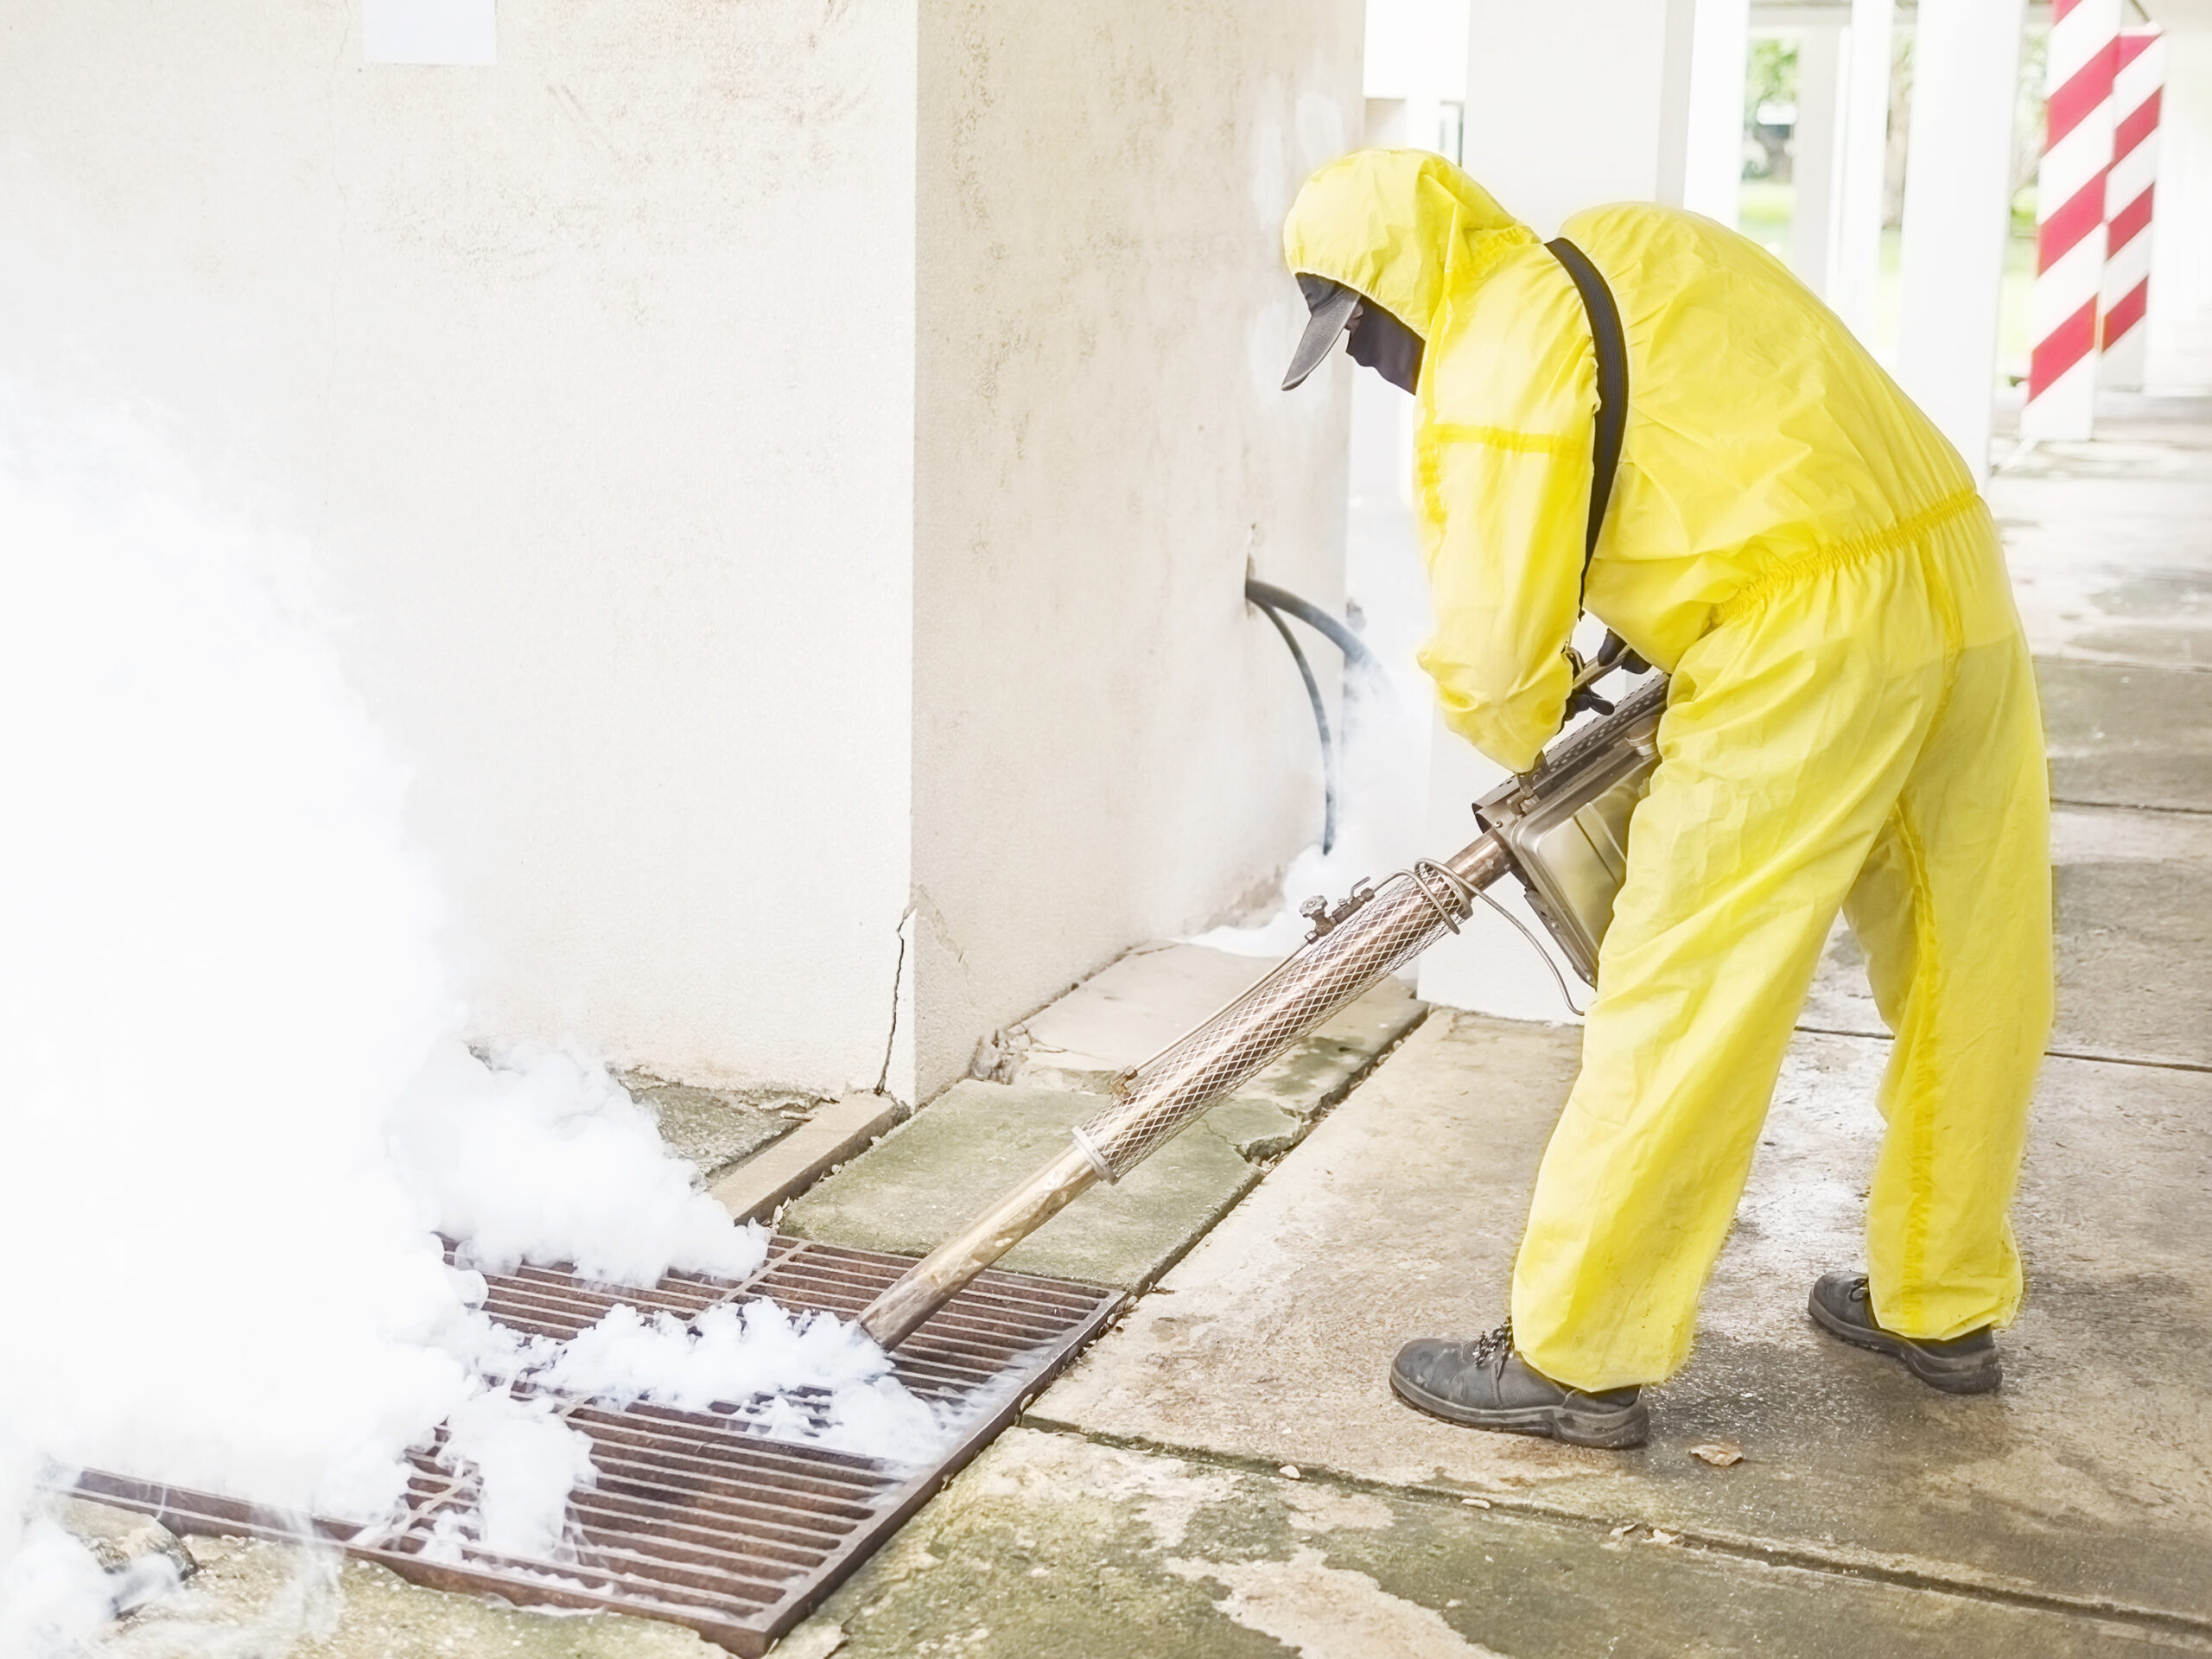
(1702, 158)
(786, 476)
(1817, 152)
(1957, 209)
(1855, 247)
(1109, 745)
(1579, 102)
(2178, 351)
(2131, 197)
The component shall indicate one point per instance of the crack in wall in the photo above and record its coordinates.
(898, 978)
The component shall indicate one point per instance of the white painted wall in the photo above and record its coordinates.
(2178, 352)
(588, 379)
(1109, 745)
(741, 631)
(726, 614)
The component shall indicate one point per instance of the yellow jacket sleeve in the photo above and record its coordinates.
(1505, 574)
(1503, 456)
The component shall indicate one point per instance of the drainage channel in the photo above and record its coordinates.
(698, 1517)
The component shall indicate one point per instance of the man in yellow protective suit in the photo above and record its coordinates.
(1852, 722)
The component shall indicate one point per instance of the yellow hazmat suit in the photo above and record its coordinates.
(1852, 722)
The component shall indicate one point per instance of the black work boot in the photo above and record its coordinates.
(1965, 1365)
(1486, 1384)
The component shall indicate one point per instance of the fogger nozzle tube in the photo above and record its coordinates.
(1160, 1097)
(1167, 1092)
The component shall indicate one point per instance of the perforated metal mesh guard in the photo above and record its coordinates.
(1168, 1091)
(697, 1517)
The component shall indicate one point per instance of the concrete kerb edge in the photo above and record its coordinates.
(759, 1187)
(1904, 1572)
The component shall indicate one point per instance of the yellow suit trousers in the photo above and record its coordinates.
(1859, 731)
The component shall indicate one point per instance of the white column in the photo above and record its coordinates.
(1816, 154)
(2063, 322)
(1958, 175)
(1855, 253)
(1701, 154)
(1568, 106)
(2131, 195)
(2178, 353)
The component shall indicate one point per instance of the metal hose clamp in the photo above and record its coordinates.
(1422, 869)
(1089, 1148)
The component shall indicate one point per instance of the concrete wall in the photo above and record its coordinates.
(768, 664)
(1109, 747)
(2178, 352)
(589, 377)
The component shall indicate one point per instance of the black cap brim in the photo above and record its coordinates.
(1331, 313)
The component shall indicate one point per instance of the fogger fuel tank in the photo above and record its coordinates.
(1562, 829)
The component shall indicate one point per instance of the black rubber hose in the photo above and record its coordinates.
(1269, 597)
(1320, 720)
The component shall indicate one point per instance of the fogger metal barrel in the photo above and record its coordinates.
(1370, 934)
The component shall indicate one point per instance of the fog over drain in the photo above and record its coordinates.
(704, 1518)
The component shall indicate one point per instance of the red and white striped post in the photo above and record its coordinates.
(2083, 55)
(2137, 88)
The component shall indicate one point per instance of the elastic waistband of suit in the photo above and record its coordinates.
(1839, 555)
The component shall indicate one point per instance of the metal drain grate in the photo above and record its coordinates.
(698, 1517)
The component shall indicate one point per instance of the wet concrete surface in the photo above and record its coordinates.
(2121, 736)
(2110, 542)
(1125, 1015)
(2088, 1477)
(1056, 1547)
(2133, 899)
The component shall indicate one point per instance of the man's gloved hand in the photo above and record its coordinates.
(1584, 699)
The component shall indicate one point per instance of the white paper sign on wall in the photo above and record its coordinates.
(428, 31)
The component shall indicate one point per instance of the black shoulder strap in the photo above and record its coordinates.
(1612, 382)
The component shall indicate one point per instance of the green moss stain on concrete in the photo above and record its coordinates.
(935, 1171)
(713, 1129)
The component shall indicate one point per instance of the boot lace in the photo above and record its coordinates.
(1493, 1348)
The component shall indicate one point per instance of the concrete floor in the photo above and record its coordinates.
(1225, 1473)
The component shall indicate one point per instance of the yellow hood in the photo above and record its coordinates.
(1391, 222)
